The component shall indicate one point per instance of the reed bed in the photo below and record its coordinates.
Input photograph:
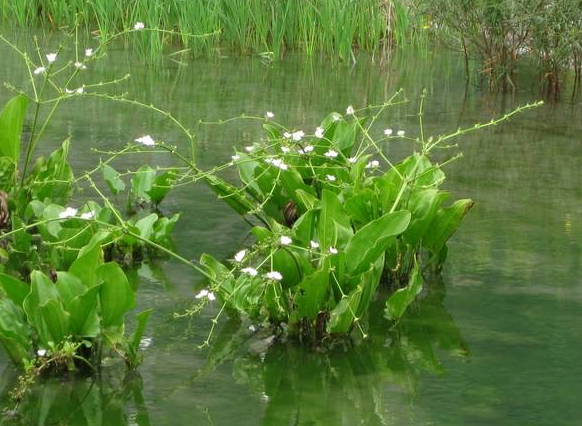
(271, 27)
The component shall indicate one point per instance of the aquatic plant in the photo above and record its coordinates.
(339, 217)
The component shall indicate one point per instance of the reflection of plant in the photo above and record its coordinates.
(338, 216)
(77, 401)
(350, 386)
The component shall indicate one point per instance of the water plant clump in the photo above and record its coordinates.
(339, 218)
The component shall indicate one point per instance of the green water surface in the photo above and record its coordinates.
(497, 340)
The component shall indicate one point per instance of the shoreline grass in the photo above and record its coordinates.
(331, 27)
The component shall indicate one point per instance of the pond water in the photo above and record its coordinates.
(496, 340)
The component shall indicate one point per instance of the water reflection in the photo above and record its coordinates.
(366, 384)
(112, 399)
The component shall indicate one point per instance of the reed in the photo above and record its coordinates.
(332, 27)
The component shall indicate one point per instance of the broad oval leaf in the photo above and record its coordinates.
(116, 295)
(11, 121)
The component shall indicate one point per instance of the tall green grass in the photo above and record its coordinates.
(333, 27)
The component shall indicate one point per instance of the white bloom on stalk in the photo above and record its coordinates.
(298, 135)
(139, 26)
(333, 250)
(88, 52)
(211, 296)
(308, 148)
(387, 132)
(51, 57)
(252, 328)
(269, 114)
(352, 160)
(400, 133)
(201, 294)
(41, 352)
(68, 91)
(274, 275)
(335, 117)
(250, 271)
(314, 244)
(331, 154)
(372, 164)
(285, 240)
(240, 255)
(80, 65)
(39, 70)
(88, 215)
(80, 90)
(287, 135)
(249, 148)
(319, 132)
(350, 110)
(235, 157)
(331, 178)
(146, 140)
(277, 162)
(68, 212)
(285, 150)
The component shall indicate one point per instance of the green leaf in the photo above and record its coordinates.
(423, 206)
(14, 289)
(11, 121)
(85, 267)
(14, 333)
(116, 295)
(142, 182)
(230, 195)
(56, 320)
(313, 294)
(397, 303)
(44, 316)
(146, 225)
(331, 212)
(83, 309)
(69, 286)
(112, 179)
(342, 316)
(444, 225)
(135, 338)
(162, 185)
(372, 240)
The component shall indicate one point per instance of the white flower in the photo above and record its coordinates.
(314, 244)
(330, 178)
(388, 132)
(51, 57)
(39, 70)
(350, 110)
(80, 90)
(235, 157)
(88, 215)
(287, 135)
(252, 328)
(240, 255)
(352, 160)
(319, 132)
(333, 250)
(331, 154)
(285, 240)
(285, 149)
(400, 133)
(146, 140)
(335, 117)
(308, 148)
(298, 135)
(277, 162)
(201, 294)
(249, 148)
(270, 114)
(68, 212)
(211, 296)
(139, 26)
(249, 271)
(69, 91)
(80, 65)
(88, 52)
(372, 164)
(41, 352)
(274, 275)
